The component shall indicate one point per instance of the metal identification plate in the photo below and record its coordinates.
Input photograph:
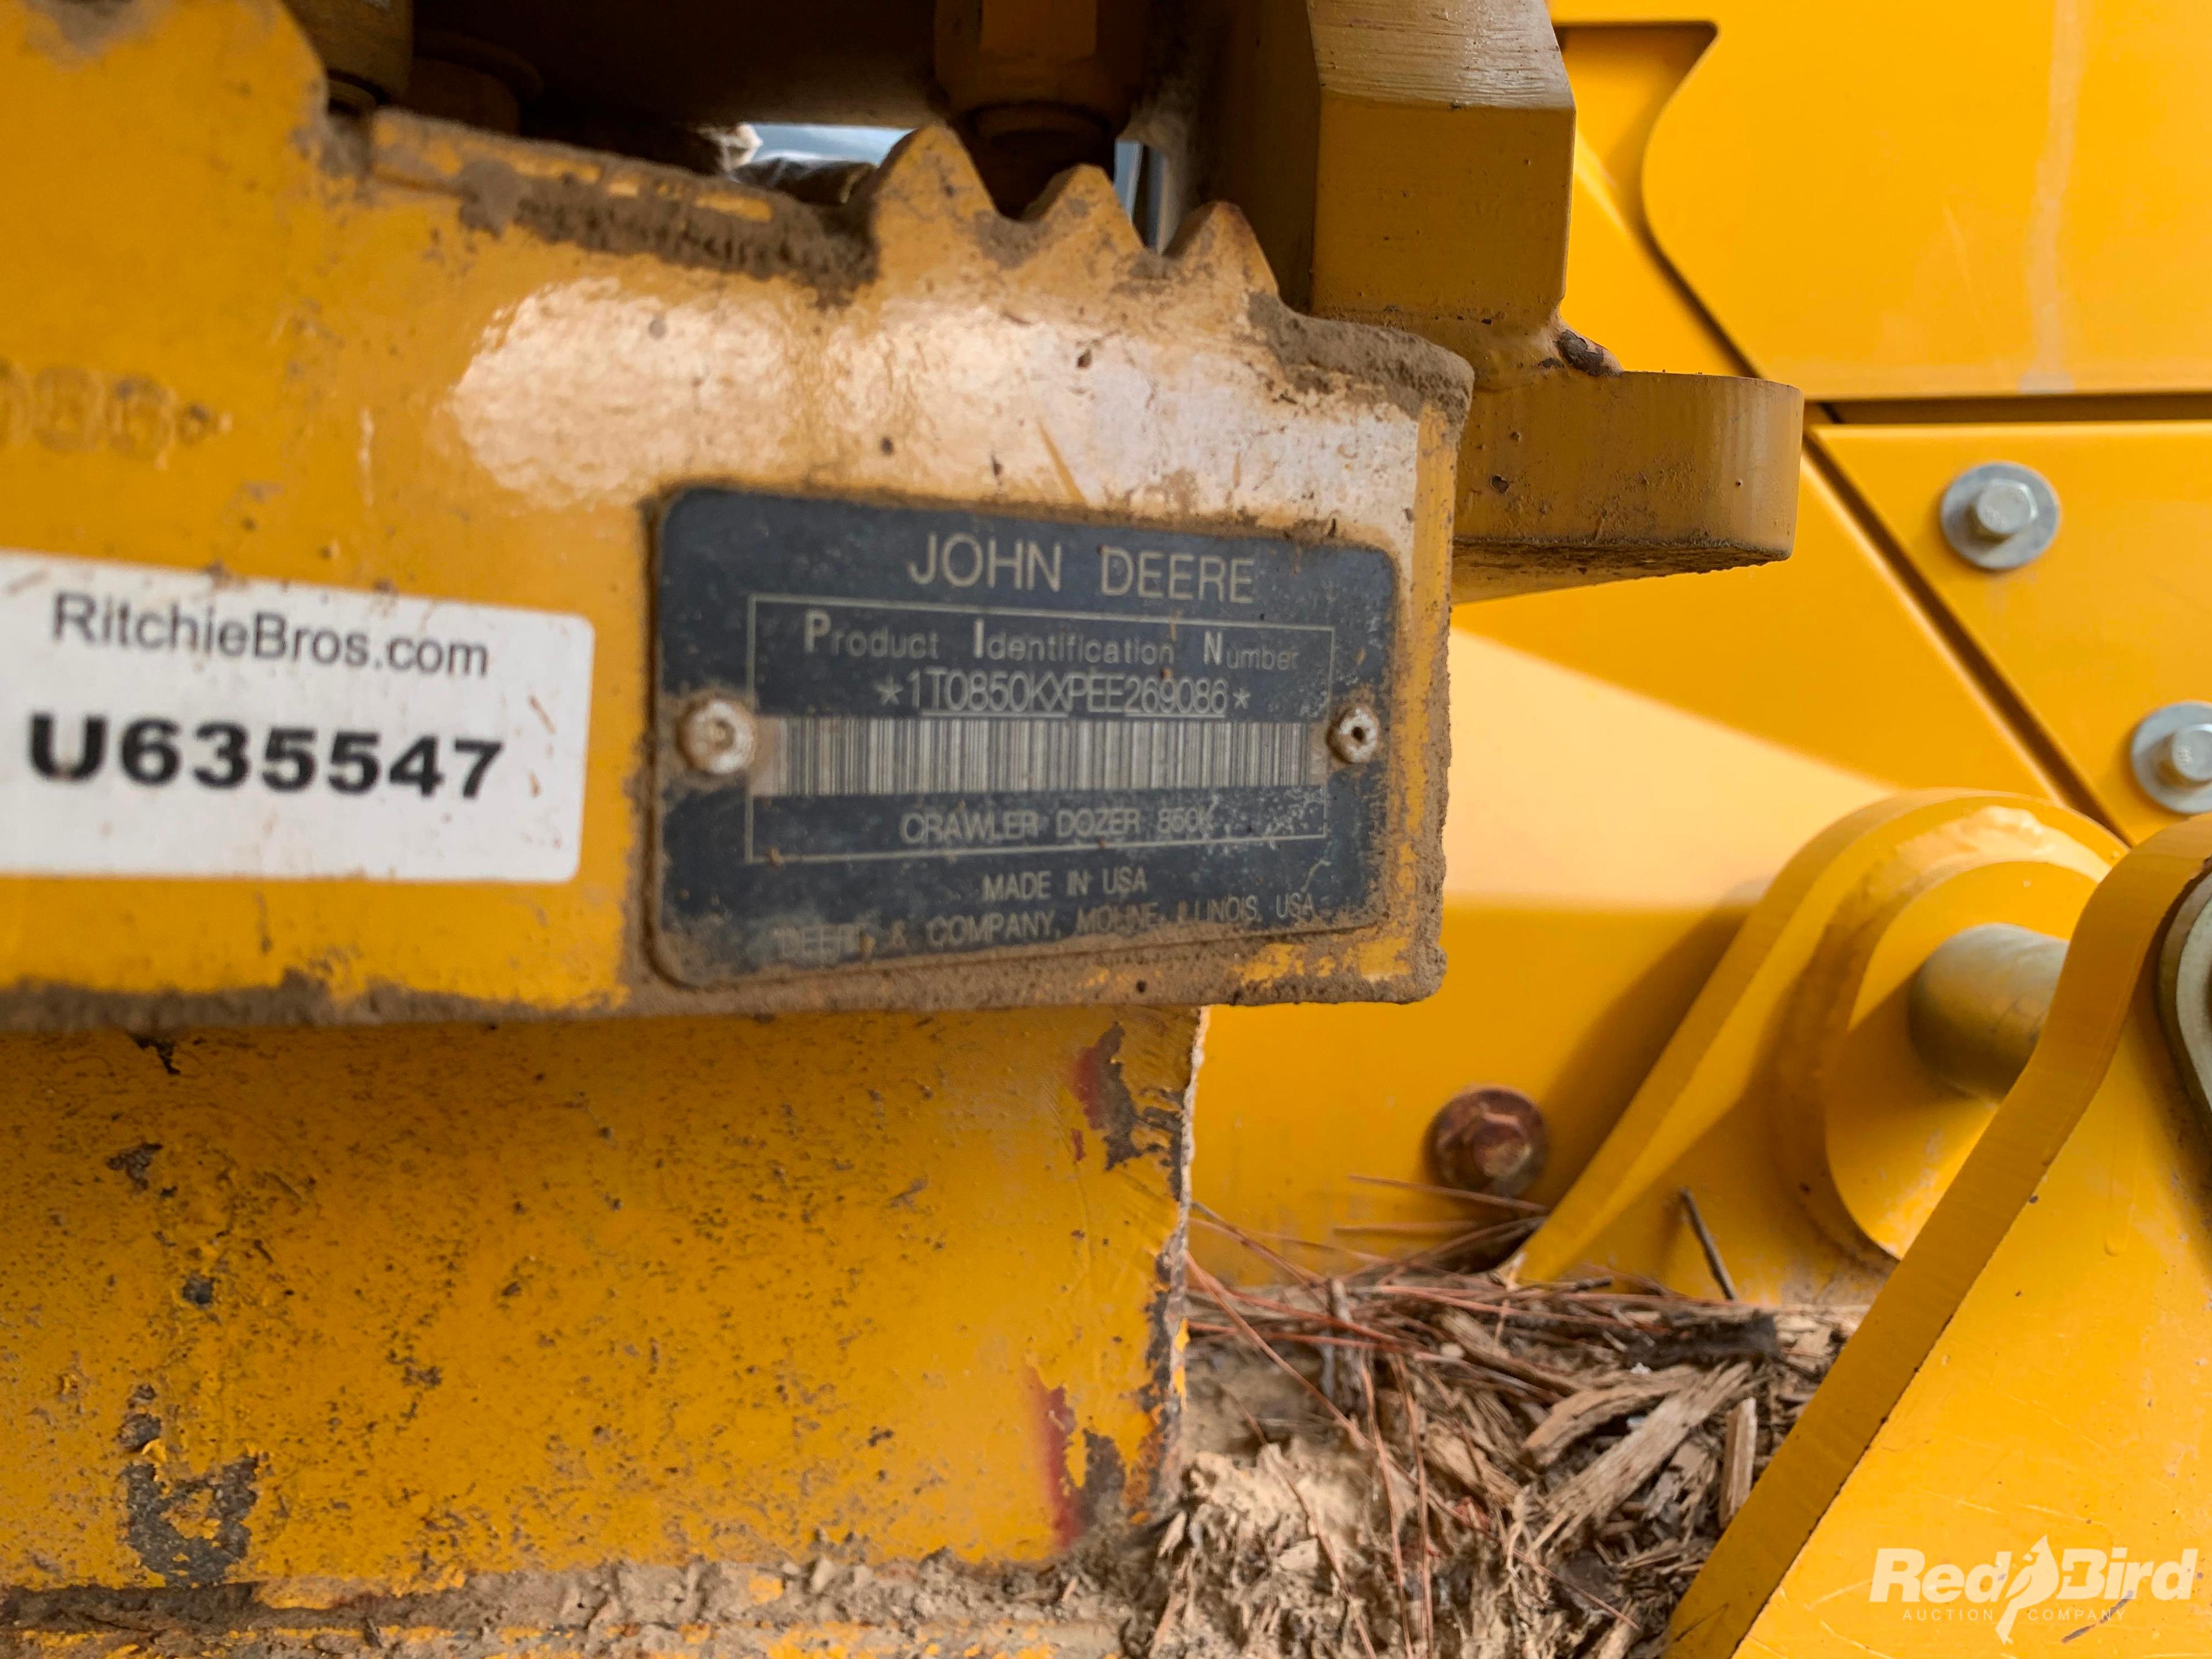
(890, 732)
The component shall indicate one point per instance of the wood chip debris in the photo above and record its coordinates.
(1437, 1465)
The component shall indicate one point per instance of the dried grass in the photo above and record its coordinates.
(1414, 1461)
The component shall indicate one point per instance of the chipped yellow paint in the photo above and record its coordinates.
(394, 1309)
(343, 1310)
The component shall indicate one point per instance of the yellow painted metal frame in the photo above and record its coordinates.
(1631, 765)
(2014, 206)
(2031, 1378)
(1790, 1102)
(2108, 623)
(336, 1314)
(351, 1312)
(1570, 472)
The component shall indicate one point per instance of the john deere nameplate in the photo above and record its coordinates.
(892, 732)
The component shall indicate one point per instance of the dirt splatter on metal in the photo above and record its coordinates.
(664, 218)
(133, 1162)
(189, 1529)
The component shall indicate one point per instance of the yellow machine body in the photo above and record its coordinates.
(431, 1248)
(1691, 881)
(2005, 1455)
(449, 366)
(374, 1246)
(1933, 270)
(341, 1314)
(382, 1311)
(1791, 1101)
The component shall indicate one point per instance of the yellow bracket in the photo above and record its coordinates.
(2014, 1438)
(1411, 166)
(1790, 1102)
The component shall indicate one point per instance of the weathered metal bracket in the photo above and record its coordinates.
(496, 348)
(1347, 127)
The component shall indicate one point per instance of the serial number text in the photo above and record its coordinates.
(219, 754)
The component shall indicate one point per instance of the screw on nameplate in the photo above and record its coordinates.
(717, 736)
(1356, 734)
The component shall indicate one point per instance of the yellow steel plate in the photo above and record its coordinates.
(1942, 201)
(350, 1310)
(2111, 621)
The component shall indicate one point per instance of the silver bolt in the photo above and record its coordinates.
(2004, 508)
(2172, 755)
(717, 736)
(2186, 759)
(1356, 734)
(1999, 515)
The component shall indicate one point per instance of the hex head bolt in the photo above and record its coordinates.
(2172, 753)
(2000, 515)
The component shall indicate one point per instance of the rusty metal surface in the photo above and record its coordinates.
(1489, 1139)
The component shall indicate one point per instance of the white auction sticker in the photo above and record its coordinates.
(164, 722)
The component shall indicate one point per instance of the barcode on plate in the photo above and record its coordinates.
(864, 754)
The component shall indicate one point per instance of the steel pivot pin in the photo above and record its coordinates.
(1999, 515)
(717, 736)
